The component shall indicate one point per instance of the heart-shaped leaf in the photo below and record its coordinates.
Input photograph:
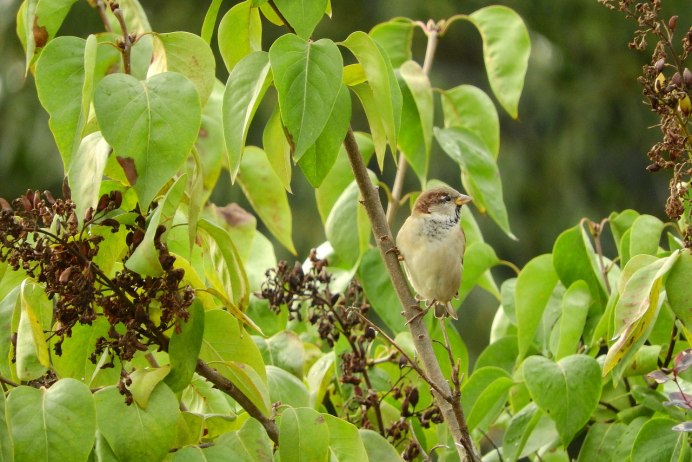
(134, 433)
(303, 15)
(52, 424)
(151, 125)
(568, 391)
(308, 79)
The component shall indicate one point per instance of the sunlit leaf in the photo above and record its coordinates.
(240, 33)
(40, 21)
(506, 49)
(381, 80)
(415, 136)
(151, 125)
(32, 357)
(277, 148)
(534, 287)
(145, 259)
(246, 85)
(470, 107)
(184, 346)
(86, 172)
(187, 54)
(395, 37)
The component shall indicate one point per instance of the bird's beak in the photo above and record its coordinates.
(462, 199)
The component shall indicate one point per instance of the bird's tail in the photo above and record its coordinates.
(442, 310)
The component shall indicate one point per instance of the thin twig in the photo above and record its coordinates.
(226, 386)
(126, 48)
(101, 7)
(8, 382)
(432, 31)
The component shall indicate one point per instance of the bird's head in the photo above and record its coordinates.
(441, 202)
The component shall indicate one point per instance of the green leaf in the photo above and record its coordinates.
(341, 224)
(506, 49)
(308, 80)
(379, 290)
(302, 15)
(41, 20)
(86, 172)
(679, 289)
(619, 224)
(144, 381)
(184, 347)
(187, 54)
(601, 442)
(340, 176)
(284, 350)
(345, 444)
(250, 443)
(319, 378)
(534, 287)
(320, 157)
(479, 171)
(382, 81)
(568, 391)
(32, 349)
(266, 195)
(151, 125)
(636, 311)
(374, 116)
(303, 436)
(395, 37)
(479, 257)
(519, 430)
(470, 107)
(277, 148)
(9, 307)
(6, 444)
(210, 20)
(574, 259)
(501, 353)
(484, 395)
(52, 424)
(378, 448)
(574, 309)
(415, 136)
(133, 433)
(285, 388)
(240, 33)
(246, 85)
(655, 441)
(60, 82)
(644, 235)
(233, 353)
(145, 259)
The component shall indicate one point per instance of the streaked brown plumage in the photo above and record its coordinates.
(432, 245)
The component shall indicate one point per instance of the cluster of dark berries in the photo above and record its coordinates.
(42, 236)
(667, 87)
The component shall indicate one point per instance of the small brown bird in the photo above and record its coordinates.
(432, 245)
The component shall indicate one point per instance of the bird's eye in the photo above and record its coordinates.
(446, 198)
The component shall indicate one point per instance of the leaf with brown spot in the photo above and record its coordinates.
(129, 167)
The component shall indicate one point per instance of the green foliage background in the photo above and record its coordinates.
(578, 149)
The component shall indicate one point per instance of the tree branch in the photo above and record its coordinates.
(226, 386)
(449, 406)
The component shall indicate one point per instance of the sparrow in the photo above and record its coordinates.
(431, 244)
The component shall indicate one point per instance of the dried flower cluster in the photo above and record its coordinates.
(336, 315)
(667, 86)
(41, 236)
